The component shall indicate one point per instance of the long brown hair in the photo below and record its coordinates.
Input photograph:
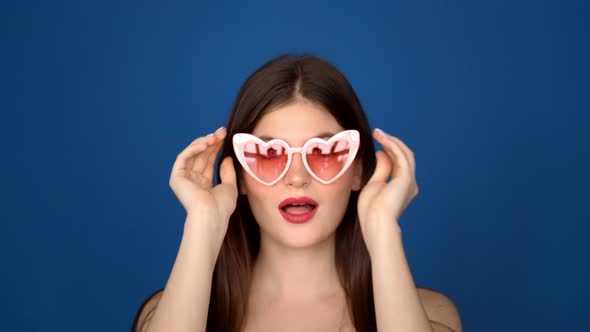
(279, 82)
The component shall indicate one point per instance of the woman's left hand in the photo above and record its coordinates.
(381, 203)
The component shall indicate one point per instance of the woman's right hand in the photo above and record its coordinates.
(192, 177)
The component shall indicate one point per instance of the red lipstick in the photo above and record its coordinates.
(298, 210)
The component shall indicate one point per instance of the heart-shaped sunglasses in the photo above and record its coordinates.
(268, 162)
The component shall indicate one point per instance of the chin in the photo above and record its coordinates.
(289, 235)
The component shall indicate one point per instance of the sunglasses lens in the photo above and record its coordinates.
(327, 160)
(266, 162)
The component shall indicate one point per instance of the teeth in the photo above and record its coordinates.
(299, 204)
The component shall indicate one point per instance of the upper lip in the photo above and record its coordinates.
(298, 200)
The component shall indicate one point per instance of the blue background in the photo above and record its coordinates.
(99, 97)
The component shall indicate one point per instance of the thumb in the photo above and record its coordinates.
(383, 168)
(227, 192)
(227, 173)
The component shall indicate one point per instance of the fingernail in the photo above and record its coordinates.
(218, 129)
(380, 132)
(209, 135)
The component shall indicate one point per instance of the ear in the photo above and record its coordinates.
(357, 175)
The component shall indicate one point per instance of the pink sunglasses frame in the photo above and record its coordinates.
(351, 135)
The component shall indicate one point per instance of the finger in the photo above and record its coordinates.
(183, 159)
(383, 168)
(200, 140)
(389, 151)
(219, 136)
(389, 138)
(209, 167)
(203, 140)
(207, 159)
(227, 190)
(210, 140)
(227, 173)
(401, 163)
(409, 153)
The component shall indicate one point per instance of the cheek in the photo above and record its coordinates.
(248, 185)
(335, 204)
(345, 182)
(336, 196)
(260, 198)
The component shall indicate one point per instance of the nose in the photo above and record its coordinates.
(297, 175)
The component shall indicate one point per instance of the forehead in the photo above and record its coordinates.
(297, 122)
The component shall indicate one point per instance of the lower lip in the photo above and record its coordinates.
(298, 218)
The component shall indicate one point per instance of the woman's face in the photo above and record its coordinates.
(295, 123)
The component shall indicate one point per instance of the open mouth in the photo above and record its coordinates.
(298, 208)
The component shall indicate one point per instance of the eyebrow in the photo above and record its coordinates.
(325, 134)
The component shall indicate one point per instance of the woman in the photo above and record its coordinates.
(302, 232)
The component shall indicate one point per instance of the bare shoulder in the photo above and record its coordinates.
(440, 309)
(146, 310)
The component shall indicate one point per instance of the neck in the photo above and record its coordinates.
(296, 274)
